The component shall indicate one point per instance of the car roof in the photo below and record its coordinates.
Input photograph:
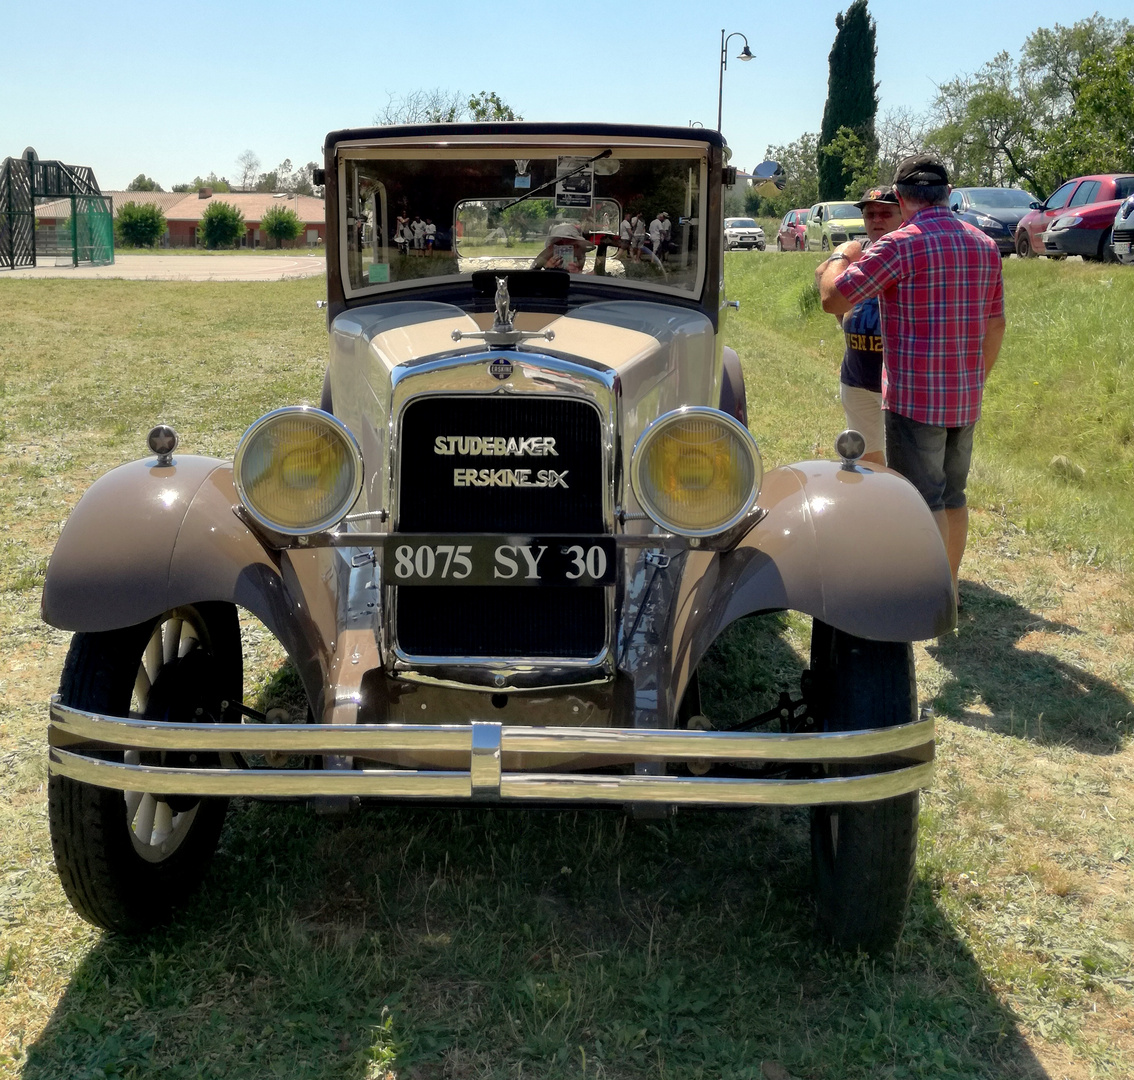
(507, 129)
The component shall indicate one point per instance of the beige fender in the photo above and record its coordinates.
(145, 539)
(857, 549)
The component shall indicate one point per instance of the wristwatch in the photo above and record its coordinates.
(838, 255)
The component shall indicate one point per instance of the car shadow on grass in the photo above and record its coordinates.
(425, 943)
(997, 680)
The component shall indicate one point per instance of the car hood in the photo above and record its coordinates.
(1009, 215)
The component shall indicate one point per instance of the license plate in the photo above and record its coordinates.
(1122, 247)
(500, 560)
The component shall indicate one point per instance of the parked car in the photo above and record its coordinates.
(995, 211)
(792, 235)
(1123, 235)
(832, 223)
(1084, 199)
(743, 232)
(497, 554)
(1086, 228)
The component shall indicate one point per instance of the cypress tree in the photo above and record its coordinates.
(852, 94)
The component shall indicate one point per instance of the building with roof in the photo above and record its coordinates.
(183, 212)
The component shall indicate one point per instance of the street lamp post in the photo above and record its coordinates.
(744, 54)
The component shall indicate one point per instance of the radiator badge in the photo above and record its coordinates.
(500, 368)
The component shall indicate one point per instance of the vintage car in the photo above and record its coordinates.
(499, 550)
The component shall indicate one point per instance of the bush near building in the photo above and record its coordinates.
(139, 225)
(281, 223)
(221, 226)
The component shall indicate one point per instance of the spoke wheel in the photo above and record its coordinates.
(127, 858)
(863, 854)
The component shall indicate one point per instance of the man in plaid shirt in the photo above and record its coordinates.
(941, 296)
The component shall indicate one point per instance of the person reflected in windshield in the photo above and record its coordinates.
(566, 249)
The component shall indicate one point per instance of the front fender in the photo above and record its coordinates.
(856, 548)
(146, 539)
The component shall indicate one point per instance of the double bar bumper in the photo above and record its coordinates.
(886, 761)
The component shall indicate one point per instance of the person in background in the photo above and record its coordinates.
(941, 293)
(417, 231)
(430, 236)
(667, 229)
(657, 233)
(637, 235)
(625, 234)
(860, 378)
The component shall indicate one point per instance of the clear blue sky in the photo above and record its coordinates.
(177, 90)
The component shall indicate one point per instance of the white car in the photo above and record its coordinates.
(743, 232)
(1122, 237)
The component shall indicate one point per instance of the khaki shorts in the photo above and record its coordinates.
(864, 414)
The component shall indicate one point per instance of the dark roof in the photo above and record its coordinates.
(504, 130)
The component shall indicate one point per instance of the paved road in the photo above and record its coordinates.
(184, 268)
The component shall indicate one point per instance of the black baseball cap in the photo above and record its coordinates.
(921, 170)
(875, 194)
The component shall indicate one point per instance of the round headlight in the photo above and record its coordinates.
(696, 471)
(298, 470)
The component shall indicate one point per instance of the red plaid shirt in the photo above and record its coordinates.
(939, 281)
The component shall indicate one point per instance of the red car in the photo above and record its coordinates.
(1076, 219)
(793, 231)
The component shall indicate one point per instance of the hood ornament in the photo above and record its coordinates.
(503, 333)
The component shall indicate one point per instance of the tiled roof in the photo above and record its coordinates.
(252, 204)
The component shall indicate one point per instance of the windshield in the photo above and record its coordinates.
(1001, 198)
(740, 223)
(631, 214)
(844, 211)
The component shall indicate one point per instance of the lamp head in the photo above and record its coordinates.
(746, 54)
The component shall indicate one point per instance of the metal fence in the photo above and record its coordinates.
(87, 237)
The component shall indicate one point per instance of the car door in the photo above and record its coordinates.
(815, 227)
(1051, 209)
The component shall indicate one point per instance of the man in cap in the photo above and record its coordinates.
(941, 297)
(860, 377)
(566, 249)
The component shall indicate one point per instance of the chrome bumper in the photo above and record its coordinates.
(899, 760)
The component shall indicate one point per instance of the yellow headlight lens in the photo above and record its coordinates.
(696, 471)
(298, 470)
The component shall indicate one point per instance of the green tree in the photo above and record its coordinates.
(281, 223)
(221, 226)
(852, 96)
(139, 225)
(142, 182)
(1098, 136)
(490, 106)
(217, 183)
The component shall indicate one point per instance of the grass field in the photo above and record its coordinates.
(426, 944)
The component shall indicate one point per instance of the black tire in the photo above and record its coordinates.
(1024, 245)
(126, 859)
(760, 247)
(863, 854)
(1106, 248)
(779, 244)
(824, 244)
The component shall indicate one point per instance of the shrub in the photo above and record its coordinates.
(281, 223)
(222, 226)
(139, 225)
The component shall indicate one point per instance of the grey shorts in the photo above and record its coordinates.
(934, 459)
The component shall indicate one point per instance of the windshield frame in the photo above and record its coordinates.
(503, 145)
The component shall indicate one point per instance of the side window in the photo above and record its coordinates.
(1058, 199)
(1087, 192)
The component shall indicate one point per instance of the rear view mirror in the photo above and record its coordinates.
(768, 179)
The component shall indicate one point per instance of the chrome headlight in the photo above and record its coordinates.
(298, 470)
(696, 471)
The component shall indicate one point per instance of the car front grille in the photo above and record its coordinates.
(530, 465)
